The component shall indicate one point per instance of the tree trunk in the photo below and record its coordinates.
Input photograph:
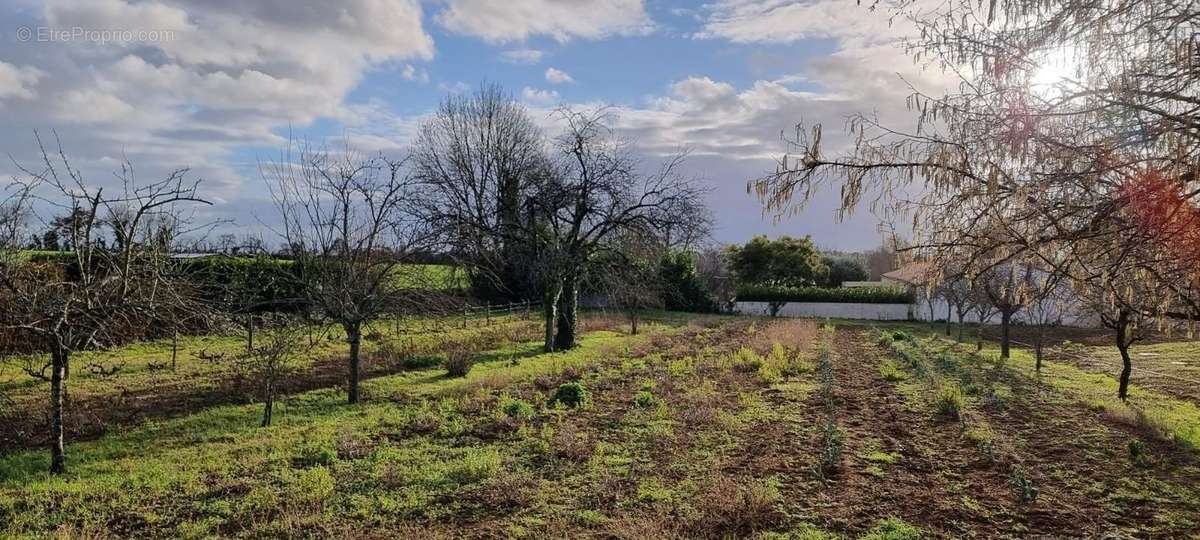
(1005, 319)
(58, 360)
(1123, 346)
(568, 314)
(633, 322)
(354, 338)
(550, 312)
(949, 318)
(1041, 339)
(268, 404)
(960, 326)
(249, 332)
(174, 348)
(979, 334)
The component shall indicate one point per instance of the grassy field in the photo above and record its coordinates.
(700, 426)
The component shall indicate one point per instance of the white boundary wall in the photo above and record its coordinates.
(885, 312)
(833, 310)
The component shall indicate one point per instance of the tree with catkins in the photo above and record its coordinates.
(1071, 132)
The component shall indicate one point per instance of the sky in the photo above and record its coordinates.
(220, 86)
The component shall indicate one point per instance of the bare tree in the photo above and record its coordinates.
(981, 303)
(478, 155)
(103, 296)
(1048, 300)
(627, 274)
(596, 192)
(957, 292)
(350, 223)
(271, 361)
(714, 272)
(1004, 288)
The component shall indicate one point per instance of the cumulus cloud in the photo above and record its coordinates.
(517, 20)
(789, 21)
(522, 56)
(18, 81)
(539, 98)
(554, 76)
(202, 80)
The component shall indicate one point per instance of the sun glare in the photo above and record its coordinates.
(1054, 68)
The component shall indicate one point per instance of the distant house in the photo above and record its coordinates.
(861, 284)
(910, 275)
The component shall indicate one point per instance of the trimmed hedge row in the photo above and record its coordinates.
(848, 295)
(261, 283)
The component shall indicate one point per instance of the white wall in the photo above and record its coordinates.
(833, 310)
(885, 312)
(1069, 318)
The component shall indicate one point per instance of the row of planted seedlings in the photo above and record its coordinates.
(963, 384)
(831, 435)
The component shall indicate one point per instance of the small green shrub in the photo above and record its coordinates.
(419, 361)
(313, 455)
(517, 409)
(457, 364)
(476, 465)
(645, 399)
(891, 372)
(1138, 453)
(746, 360)
(831, 451)
(309, 487)
(893, 528)
(949, 402)
(572, 394)
(901, 335)
(1026, 491)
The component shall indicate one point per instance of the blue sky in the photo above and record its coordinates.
(220, 85)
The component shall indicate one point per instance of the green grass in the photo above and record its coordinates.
(1174, 418)
(184, 473)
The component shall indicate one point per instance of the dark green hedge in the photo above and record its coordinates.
(862, 295)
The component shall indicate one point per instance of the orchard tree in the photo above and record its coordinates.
(106, 292)
(478, 155)
(1048, 300)
(351, 223)
(597, 191)
(957, 291)
(269, 363)
(1072, 130)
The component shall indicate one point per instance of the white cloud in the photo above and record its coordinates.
(540, 98)
(522, 56)
(788, 21)
(18, 81)
(220, 75)
(413, 73)
(457, 87)
(517, 20)
(555, 76)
